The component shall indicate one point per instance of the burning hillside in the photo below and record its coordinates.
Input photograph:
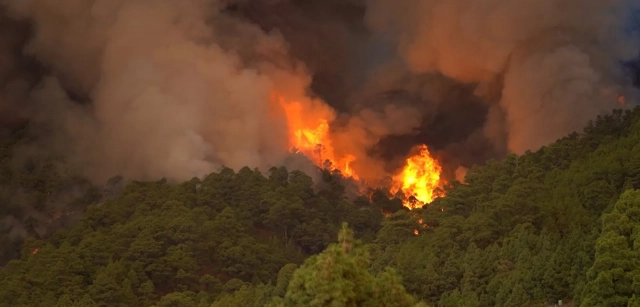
(373, 89)
(310, 134)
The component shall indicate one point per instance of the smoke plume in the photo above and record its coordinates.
(173, 88)
(177, 88)
(555, 60)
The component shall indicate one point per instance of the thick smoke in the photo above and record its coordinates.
(556, 60)
(177, 88)
(329, 36)
(15, 76)
(174, 88)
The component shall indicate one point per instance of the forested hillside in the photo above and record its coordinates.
(36, 190)
(561, 223)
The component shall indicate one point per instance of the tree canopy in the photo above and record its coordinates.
(560, 223)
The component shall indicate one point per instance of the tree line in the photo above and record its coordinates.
(560, 223)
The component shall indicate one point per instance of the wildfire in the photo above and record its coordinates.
(419, 178)
(422, 224)
(621, 100)
(610, 92)
(312, 139)
(309, 134)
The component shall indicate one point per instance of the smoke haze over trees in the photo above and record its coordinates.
(560, 223)
(146, 158)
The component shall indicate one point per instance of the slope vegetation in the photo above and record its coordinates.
(561, 223)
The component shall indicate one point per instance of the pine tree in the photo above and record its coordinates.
(340, 276)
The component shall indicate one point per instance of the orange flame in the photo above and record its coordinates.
(313, 140)
(610, 92)
(419, 178)
(309, 134)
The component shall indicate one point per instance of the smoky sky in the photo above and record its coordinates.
(149, 88)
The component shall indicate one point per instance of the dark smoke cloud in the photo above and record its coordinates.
(17, 74)
(329, 36)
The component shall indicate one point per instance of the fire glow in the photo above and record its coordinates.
(312, 139)
(418, 179)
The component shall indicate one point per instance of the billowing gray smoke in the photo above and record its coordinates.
(174, 88)
(177, 88)
(558, 62)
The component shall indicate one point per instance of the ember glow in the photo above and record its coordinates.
(309, 134)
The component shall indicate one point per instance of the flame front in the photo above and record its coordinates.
(419, 178)
(309, 134)
(312, 138)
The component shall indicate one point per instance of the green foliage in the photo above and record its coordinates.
(339, 276)
(526, 230)
(560, 223)
(37, 194)
(614, 277)
(231, 236)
